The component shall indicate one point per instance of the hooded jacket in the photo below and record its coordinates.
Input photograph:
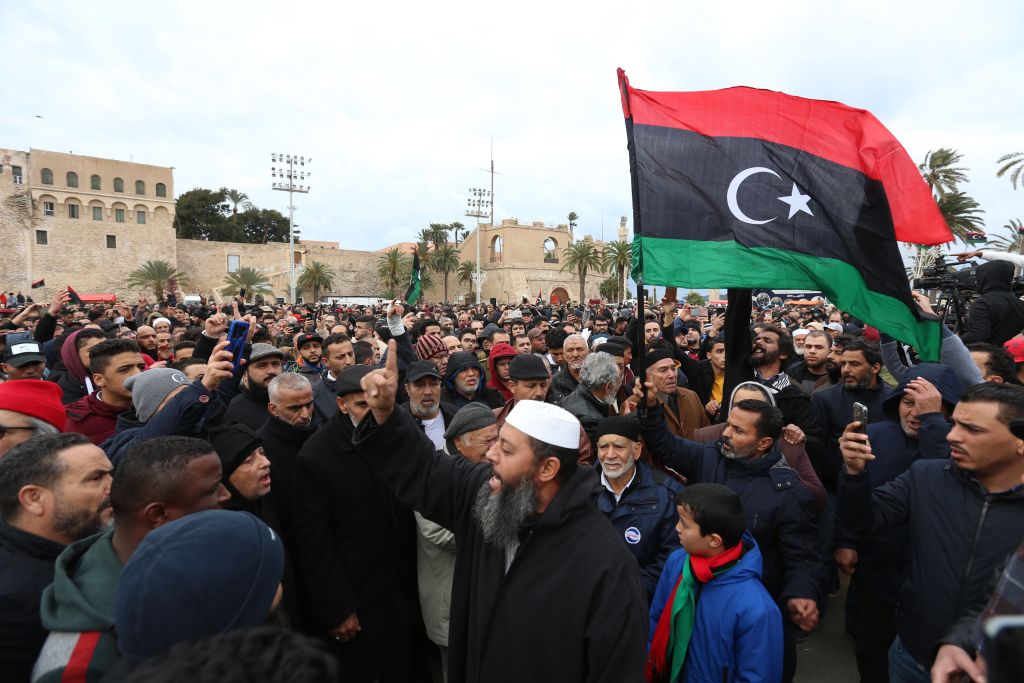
(569, 607)
(457, 362)
(997, 315)
(93, 418)
(737, 632)
(78, 610)
(499, 351)
(882, 556)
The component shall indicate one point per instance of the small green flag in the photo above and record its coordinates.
(413, 293)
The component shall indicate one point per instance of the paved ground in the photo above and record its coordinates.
(827, 656)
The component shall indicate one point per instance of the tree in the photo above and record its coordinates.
(252, 279)
(941, 172)
(236, 198)
(1013, 244)
(446, 262)
(392, 268)
(465, 273)
(582, 256)
(460, 234)
(696, 299)
(617, 260)
(259, 226)
(317, 276)
(201, 214)
(573, 218)
(962, 214)
(439, 235)
(154, 276)
(609, 288)
(1014, 164)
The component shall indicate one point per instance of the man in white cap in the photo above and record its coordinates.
(544, 588)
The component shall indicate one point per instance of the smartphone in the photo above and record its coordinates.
(237, 332)
(700, 312)
(1004, 643)
(860, 414)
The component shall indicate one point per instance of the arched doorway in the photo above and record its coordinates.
(559, 295)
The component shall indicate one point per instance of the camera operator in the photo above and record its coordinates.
(997, 315)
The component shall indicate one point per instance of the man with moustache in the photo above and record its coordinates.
(574, 352)
(54, 490)
(423, 385)
(538, 568)
(250, 405)
(815, 372)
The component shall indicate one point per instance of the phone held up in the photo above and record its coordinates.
(860, 414)
(237, 334)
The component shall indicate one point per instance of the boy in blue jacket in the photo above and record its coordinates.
(711, 618)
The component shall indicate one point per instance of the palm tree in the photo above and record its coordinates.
(318, 276)
(154, 276)
(582, 256)
(465, 273)
(941, 172)
(617, 260)
(573, 218)
(609, 288)
(252, 279)
(962, 214)
(460, 234)
(1013, 244)
(439, 235)
(237, 199)
(445, 261)
(1014, 163)
(392, 268)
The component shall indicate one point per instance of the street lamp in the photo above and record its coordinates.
(479, 204)
(290, 179)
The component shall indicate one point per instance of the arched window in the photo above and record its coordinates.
(161, 190)
(94, 182)
(46, 176)
(140, 187)
(496, 249)
(72, 179)
(118, 185)
(549, 250)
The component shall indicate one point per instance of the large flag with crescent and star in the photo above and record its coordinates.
(748, 188)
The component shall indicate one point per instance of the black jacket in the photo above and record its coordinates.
(563, 382)
(778, 508)
(282, 443)
(248, 409)
(700, 375)
(833, 410)
(571, 606)
(347, 530)
(26, 568)
(586, 408)
(997, 315)
(457, 362)
(958, 535)
(325, 397)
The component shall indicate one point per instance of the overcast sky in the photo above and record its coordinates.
(397, 102)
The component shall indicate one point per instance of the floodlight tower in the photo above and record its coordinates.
(292, 180)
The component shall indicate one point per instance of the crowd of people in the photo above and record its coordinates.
(385, 492)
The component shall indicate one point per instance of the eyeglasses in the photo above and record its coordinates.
(127, 335)
(4, 430)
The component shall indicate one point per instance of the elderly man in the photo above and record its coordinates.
(423, 385)
(594, 398)
(528, 538)
(54, 490)
(681, 408)
(29, 409)
(642, 510)
(574, 352)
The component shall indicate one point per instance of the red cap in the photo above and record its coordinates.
(35, 398)
(1016, 348)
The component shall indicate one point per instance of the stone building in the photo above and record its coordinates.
(89, 222)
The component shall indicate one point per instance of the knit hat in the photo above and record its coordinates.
(233, 443)
(36, 398)
(430, 345)
(528, 366)
(655, 355)
(471, 417)
(206, 573)
(150, 388)
(545, 422)
(620, 425)
(1016, 348)
(350, 379)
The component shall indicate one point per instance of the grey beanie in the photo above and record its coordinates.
(151, 387)
(471, 417)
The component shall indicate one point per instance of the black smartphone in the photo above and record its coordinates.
(237, 332)
(860, 414)
(1004, 645)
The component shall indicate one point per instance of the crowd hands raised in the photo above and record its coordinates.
(386, 492)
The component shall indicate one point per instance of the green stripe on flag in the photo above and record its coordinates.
(697, 264)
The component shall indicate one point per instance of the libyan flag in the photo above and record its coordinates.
(38, 283)
(745, 188)
(414, 290)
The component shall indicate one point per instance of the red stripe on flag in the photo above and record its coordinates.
(830, 130)
(78, 664)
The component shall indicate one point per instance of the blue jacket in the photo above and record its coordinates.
(737, 634)
(779, 509)
(882, 556)
(646, 518)
(833, 409)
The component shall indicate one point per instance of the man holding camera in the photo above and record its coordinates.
(998, 314)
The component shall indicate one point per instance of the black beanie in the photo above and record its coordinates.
(233, 443)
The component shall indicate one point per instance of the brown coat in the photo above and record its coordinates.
(689, 416)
